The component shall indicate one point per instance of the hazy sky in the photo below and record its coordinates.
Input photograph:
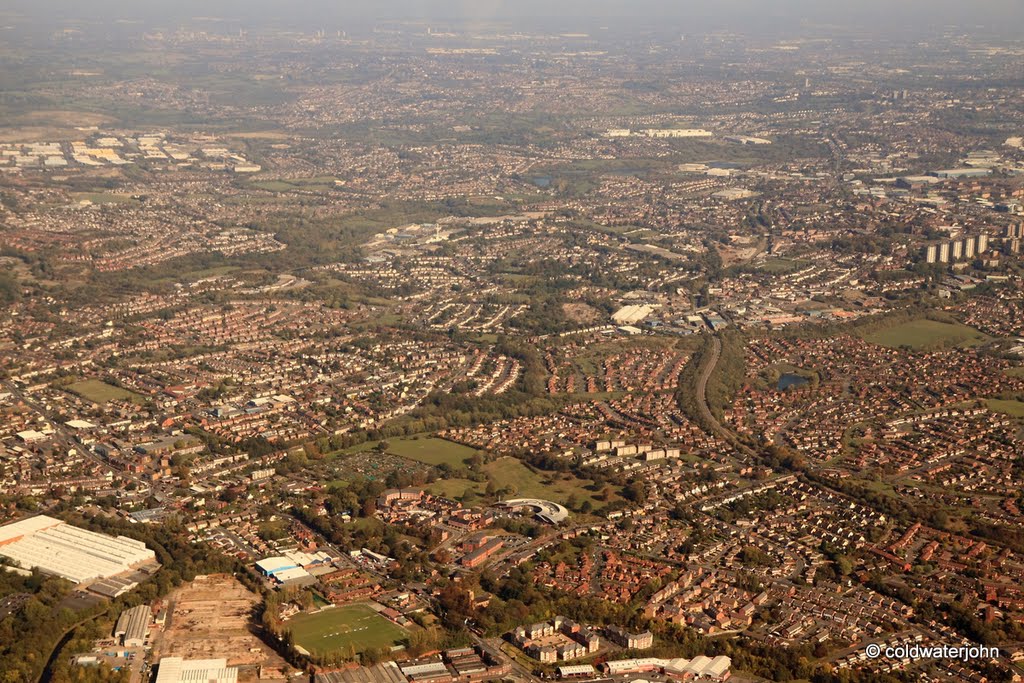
(1004, 15)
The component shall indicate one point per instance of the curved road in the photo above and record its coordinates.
(717, 428)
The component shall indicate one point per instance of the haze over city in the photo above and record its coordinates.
(451, 341)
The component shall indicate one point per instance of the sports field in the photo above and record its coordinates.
(1011, 408)
(355, 626)
(431, 451)
(100, 392)
(926, 334)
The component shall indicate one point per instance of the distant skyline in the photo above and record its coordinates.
(998, 16)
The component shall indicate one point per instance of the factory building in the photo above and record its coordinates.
(633, 313)
(133, 626)
(963, 172)
(54, 547)
(284, 570)
(178, 670)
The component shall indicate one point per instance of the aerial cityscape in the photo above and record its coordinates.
(454, 342)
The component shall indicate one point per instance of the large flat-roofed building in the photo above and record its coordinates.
(631, 314)
(678, 133)
(387, 672)
(287, 569)
(55, 547)
(178, 670)
(133, 626)
(963, 172)
(700, 668)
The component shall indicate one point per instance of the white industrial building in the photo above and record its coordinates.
(426, 669)
(55, 547)
(734, 193)
(700, 668)
(678, 133)
(634, 313)
(178, 670)
(282, 569)
(293, 566)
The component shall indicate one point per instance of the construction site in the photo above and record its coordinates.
(214, 617)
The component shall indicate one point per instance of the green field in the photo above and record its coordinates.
(511, 472)
(355, 627)
(926, 334)
(100, 392)
(1012, 408)
(318, 184)
(431, 451)
(103, 197)
(778, 266)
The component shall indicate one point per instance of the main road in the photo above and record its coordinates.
(716, 427)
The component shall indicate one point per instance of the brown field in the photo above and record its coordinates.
(61, 117)
(50, 125)
(581, 313)
(260, 135)
(212, 617)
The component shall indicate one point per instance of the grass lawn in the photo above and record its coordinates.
(319, 183)
(1012, 408)
(104, 197)
(508, 471)
(778, 266)
(1016, 372)
(456, 489)
(926, 334)
(355, 626)
(100, 392)
(431, 451)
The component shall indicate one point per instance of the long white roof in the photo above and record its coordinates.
(178, 670)
(75, 554)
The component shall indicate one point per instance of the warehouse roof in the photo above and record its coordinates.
(70, 552)
(178, 670)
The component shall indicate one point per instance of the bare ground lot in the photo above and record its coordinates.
(50, 125)
(212, 617)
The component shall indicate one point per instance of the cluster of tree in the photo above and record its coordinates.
(62, 668)
(723, 383)
(747, 507)
(359, 498)
(751, 556)
(10, 290)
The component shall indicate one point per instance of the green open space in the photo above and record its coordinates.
(349, 628)
(100, 392)
(589, 361)
(432, 451)
(926, 334)
(1012, 408)
(777, 266)
(103, 197)
(517, 480)
(317, 183)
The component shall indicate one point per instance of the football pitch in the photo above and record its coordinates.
(338, 628)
